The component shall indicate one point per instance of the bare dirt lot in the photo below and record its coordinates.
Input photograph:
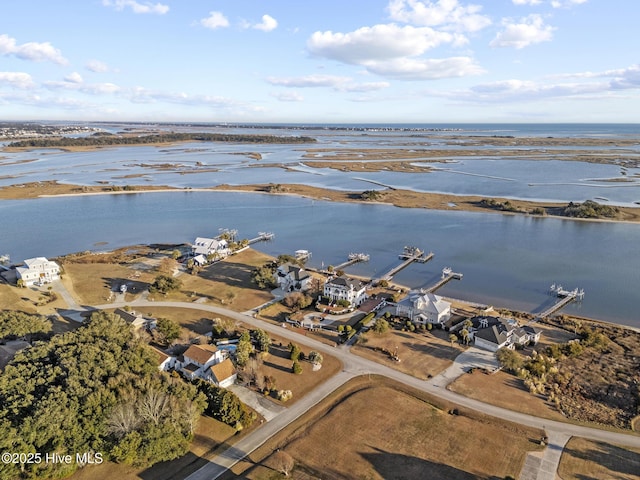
(380, 430)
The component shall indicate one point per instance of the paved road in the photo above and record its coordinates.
(352, 367)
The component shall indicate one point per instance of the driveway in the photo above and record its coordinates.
(473, 357)
(265, 407)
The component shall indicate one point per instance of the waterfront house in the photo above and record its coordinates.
(211, 246)
(343, 288)
(422, 308)
(38, 270)
(493, 333)
(292, 278)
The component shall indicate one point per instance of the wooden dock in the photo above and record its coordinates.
(567, 296)
(353, 258)
(262, 237)
(409, 255)
(447, 275)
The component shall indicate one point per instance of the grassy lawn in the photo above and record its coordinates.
(504, 390)
(421, 354)
(94, 283)
(13, 298)
(377, 429)
(582, 459)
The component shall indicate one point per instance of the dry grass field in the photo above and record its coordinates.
(585, 459)
(504, 390)
(376, 429)
(422, 355)
(227, 283)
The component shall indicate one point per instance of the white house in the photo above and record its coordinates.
(292, 278)
(423, 308)
(165, 362)
(197, 359)
(343, 288)
(223, 374)
(38, 270)
(493, 333)
(211, 246)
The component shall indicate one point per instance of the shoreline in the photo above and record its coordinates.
(390, 196)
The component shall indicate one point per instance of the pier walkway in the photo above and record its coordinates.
(566, 298)
(262, 237)
(410, 255)
(447, 274)
(353, 258)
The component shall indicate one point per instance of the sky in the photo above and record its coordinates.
(312, 61)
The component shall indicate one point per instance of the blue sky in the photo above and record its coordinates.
(309, 61)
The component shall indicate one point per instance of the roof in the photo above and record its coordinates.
(192, 367)
(162, 357)
(200, 353)
(346, 282)
(438, 303)
(129, 317)
(39, 262)
(223, 370)
(496, 334)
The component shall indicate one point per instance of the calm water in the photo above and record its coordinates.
(506, 260)
(210, 164)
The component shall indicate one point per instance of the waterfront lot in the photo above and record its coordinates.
(421, 355)
(379, 429)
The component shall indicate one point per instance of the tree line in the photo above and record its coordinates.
(94, 389)
(108, 140)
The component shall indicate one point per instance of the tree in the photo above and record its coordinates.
(453, 338)
(262, 339)
(167, 265)
(165, 284)
(253, 371)
(294, 351)
(296, 301)
(168, 330)
(230, 296)
(282, 462)
(509, 359)
(244, 349)
(21, 324)
(263, 276)
(176, 254)
(466, 337)
(315, 357)
(296, 367)
(381, 326)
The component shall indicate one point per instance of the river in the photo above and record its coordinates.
(508, 261)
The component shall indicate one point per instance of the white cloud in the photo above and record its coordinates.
(136, 7)
(377, 43)
(529, 31)
(343, 84)
(74, 77)
(527, 2)
(268, 24)
(17, 79)
(309, 81)
(96, 66)
(448, 14)
(426, 69)
(215, 20)
(288, 96)
(71, 83)
(566, 3)
(37, 52)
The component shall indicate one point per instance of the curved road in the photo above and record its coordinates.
(354, 366)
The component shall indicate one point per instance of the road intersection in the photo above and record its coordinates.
(354, 366)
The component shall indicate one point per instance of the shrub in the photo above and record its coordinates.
(296, 367)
